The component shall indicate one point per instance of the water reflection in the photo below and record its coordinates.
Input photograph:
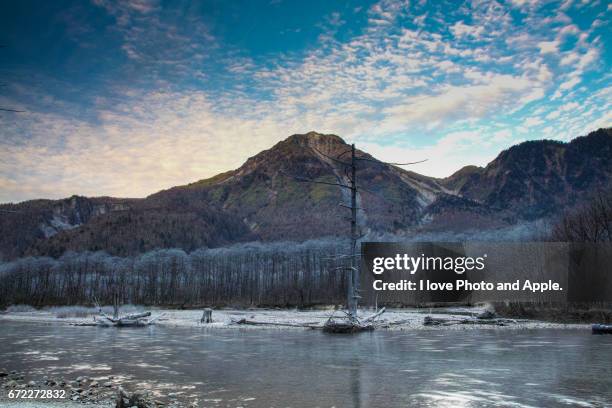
(229, 368)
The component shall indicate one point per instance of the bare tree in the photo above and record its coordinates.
(252, 274)
(591, 222)
(350, 172)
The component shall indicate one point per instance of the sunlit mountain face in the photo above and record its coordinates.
(292, 192)
(127, 98)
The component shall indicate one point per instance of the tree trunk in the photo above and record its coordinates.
(207, 316)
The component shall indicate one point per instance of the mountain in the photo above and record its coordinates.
(266, 199)
(118, 226)
(536, 178)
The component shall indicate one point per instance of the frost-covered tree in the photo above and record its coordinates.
(257, 274)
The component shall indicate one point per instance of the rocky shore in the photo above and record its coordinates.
(291, 319)
(79, 391)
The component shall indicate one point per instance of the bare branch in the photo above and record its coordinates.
(348, 206)
(306, 180)
(392, 164)
(329, 157)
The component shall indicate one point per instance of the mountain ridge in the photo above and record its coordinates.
(263, 200)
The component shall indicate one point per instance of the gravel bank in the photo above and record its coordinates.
(392, 319)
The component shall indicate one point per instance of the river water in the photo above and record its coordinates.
(274, 368)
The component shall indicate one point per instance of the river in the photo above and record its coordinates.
(275, 368)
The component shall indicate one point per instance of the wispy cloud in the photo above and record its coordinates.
(454, 85)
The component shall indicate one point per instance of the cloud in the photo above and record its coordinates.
(461, 102)
(570, 83)
(159, 42)
(452, 85)
(449, 154)
(570, 58)
(174, 141)
(460, 29)
(569, 106)
(502, 135)
(524, 2)
(532, 121)
(547, 47)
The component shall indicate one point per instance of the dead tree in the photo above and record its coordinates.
(206, 316)
(353, 286)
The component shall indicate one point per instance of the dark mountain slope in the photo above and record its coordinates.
(536, 178)
(140, 229)
(118, 226)
(264, 200)
(24, 224)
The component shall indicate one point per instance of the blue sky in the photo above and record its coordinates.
(126, 98)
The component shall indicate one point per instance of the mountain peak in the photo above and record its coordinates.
(265, 200)
(315, 139)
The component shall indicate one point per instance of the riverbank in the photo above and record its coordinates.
(458, 318)
(22, 389)
(11, 403)
(559, 313)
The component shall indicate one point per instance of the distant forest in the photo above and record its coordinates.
(276, 274)
(282, 274)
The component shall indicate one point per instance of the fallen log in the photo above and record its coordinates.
(403, 321)
(438, 321)
(151, 321)
(136, 316)
(133, 320)
(374, 316)
(487, 314)
(346, 327)
(308, 325)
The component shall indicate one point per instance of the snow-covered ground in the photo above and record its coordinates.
(411, 319)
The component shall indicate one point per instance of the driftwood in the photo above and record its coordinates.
(397, 322)
(346, 327)
(487, 314)
(135, 316)
(308, 325)
(374, 316)
(132, 320)
(332, 325)
(84, 324)
(437, 321)
(351, 324)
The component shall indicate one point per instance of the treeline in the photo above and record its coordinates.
(590, 222)
(254, 274)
